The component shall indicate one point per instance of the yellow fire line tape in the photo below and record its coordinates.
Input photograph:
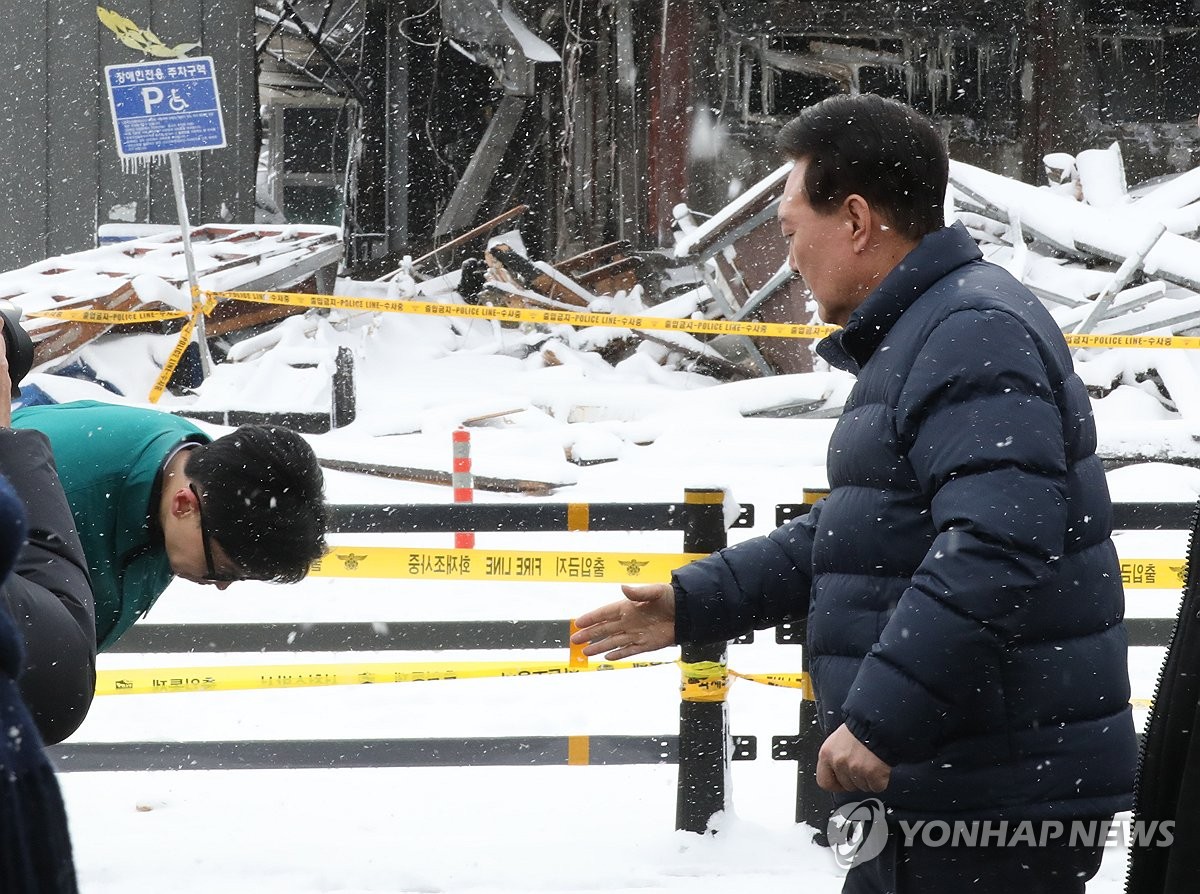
(143, 681)
(1153, 574)
(378, 562)
(786, 681)
(491, 564)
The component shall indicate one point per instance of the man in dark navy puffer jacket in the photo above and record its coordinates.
(962, 592)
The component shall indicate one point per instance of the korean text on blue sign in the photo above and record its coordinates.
(168, 106)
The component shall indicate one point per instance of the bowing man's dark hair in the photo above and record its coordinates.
(263, 500)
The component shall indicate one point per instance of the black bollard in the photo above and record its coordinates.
(703, 719)
(813, 805)
(344, 402)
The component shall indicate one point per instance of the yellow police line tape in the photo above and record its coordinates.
(142, 681)
(521, 315)
(539, 315)
(498, 564)
(111, 317)
(701, 681)
(709, 681)
(168, 370)
(641, 321)
(114, 317)
(535, 315)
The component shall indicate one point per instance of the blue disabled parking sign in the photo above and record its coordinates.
(168, 106)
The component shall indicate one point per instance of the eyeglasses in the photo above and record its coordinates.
(212, 574)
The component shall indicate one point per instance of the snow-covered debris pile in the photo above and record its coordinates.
(1104, 257)
(150, 273)
(1106, 260)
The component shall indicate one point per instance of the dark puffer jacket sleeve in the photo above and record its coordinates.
(52, 557)
(759, 583)
(978, 421)
(49, 593)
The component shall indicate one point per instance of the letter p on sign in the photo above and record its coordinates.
(151, 96)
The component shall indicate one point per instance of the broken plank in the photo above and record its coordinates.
(515, 296)
(510, 267)
(595, 257)
(708, 360)
(608, 279)
(739, 217)
(436, 476)
(479, 420)
(557, 284)
(61, 337)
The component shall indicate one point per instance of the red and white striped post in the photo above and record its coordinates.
(463, 482)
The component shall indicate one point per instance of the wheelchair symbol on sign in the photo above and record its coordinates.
(177, 102)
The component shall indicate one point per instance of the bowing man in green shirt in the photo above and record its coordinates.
(153, 498)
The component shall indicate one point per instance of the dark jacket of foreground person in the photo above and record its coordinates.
(964, 550)
(1168, 783)
(35, 845)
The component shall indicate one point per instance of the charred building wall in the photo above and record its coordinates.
(414, 120)
(652, 103)
(1008, 81)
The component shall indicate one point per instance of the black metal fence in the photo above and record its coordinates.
(702, 747)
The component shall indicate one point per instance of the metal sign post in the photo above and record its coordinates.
(185, 229)
(164, 108)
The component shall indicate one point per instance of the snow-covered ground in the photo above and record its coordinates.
(511, 829)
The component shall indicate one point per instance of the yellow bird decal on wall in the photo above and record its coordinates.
(141, 39)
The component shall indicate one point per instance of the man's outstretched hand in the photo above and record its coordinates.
(641, 622)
